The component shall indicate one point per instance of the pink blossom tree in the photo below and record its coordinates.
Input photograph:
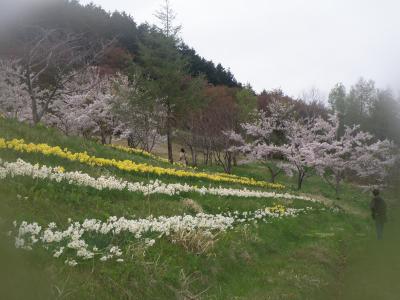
(335, 157)
(303, 138)
(88, 109)
(314, 144)
(374, 160)
(14, 98)
(46, 61)
(353, 152)
(267, 132)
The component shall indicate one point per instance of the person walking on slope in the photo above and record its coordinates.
(378, 213)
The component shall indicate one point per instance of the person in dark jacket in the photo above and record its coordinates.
(378, 213)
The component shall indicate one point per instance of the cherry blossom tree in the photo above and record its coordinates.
(65, 113)
(267, 131)
(46, 61)
(14, 98)
(105, 106)
(303, 145)
(300, 151)
(375, 160)
(88, 109)
(353, 152)
(336, 156)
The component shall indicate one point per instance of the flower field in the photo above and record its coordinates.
(103, 228)
(126, 165)
(77, 240)
(22, 168)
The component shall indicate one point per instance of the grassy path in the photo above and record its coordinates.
(373, 272)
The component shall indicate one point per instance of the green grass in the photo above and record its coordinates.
(299, 258)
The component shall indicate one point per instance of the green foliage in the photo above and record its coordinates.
(246, 101)
(216, 75)
(164, 68)
(375, 110)
(165, 77)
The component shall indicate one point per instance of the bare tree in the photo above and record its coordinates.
(223, 153)
(167, 17)
(314, 100)
(312, 95)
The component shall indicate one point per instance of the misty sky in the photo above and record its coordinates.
(289, 44)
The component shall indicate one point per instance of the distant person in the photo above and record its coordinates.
(182, 157)
(378, 213)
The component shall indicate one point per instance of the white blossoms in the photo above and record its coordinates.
(77, 239)
(22, 168)
(58, 253)
(71, 262)
(109, 240)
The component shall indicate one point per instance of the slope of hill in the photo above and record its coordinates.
(87, 230)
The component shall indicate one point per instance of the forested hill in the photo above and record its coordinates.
(96, 24)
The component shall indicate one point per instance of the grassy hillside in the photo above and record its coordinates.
(284, 257)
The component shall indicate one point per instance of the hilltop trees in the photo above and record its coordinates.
(375, 110)
(337, 99)
(216, 75)
(384, 116)
(94, 24)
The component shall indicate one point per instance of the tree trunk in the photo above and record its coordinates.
(300, 179)
(194, 156)
(229, 163)
(103, 139)
(226, 162)
(130, 141)
(35, 116)
(234, 160)
(337, 186)
(205, 157)
(34, 108)
(169, 145)
(273, 177)
(169, 140)
(272, 174)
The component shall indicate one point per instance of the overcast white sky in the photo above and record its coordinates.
(288, 44)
